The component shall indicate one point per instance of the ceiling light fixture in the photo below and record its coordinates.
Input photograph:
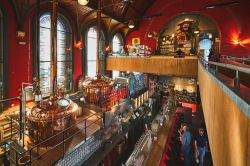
(131, 24)
(196, 32)
(83, 2)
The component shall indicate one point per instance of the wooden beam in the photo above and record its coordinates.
(53, 48)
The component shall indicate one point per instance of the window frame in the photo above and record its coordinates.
(68, 32)
(120, 37)
(102, 47)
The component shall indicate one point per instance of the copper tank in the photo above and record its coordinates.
(50, 117)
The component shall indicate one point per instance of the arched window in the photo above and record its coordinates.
(117, 43)
(91, 51)
(64, 53)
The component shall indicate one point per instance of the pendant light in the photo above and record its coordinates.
(131, 24)
(83, 2)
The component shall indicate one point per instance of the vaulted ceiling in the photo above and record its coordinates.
(115, 13)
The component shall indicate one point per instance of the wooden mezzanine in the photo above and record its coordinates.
(167, 65)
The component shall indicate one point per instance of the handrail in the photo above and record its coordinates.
(20, 112)
(228, 66)
(236, 58)
(61, 132)
(237, 69)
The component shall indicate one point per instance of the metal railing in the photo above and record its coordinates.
(242, 60)
(20, 115)
(235, 68)
(33, 152)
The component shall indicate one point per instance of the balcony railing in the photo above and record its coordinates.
(215, 66)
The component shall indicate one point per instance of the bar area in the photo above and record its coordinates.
(124, 83)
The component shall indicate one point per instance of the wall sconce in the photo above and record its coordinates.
(20, 35)
(131, 24)
(108, 49)
(237, 42)
(83, 2)
(152, 34)
(78, 45)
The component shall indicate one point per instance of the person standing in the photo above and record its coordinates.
(200, 144)
(186, 140)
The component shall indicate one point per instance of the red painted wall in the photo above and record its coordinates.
(20, 56)
(232, 22)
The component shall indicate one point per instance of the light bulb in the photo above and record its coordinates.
(83, 2)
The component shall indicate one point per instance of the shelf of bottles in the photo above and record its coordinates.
(139, 50)
(170, 45)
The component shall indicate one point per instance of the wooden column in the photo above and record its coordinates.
(53, 49)
(98, 38)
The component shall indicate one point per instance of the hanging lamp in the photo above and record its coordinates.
(83, 2)
(131, 24)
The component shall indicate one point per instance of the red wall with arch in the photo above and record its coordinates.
(233, 23)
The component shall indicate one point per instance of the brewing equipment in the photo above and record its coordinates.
(97, 89)
(50, 117)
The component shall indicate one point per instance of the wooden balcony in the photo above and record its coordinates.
(165, 65)
(227, 118)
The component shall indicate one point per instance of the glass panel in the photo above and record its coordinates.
(92, 46)
(116, 43)
(115, 74)
(91, 51)
(44, 44)
(64, 74)
(45, 78)
(91, 68)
